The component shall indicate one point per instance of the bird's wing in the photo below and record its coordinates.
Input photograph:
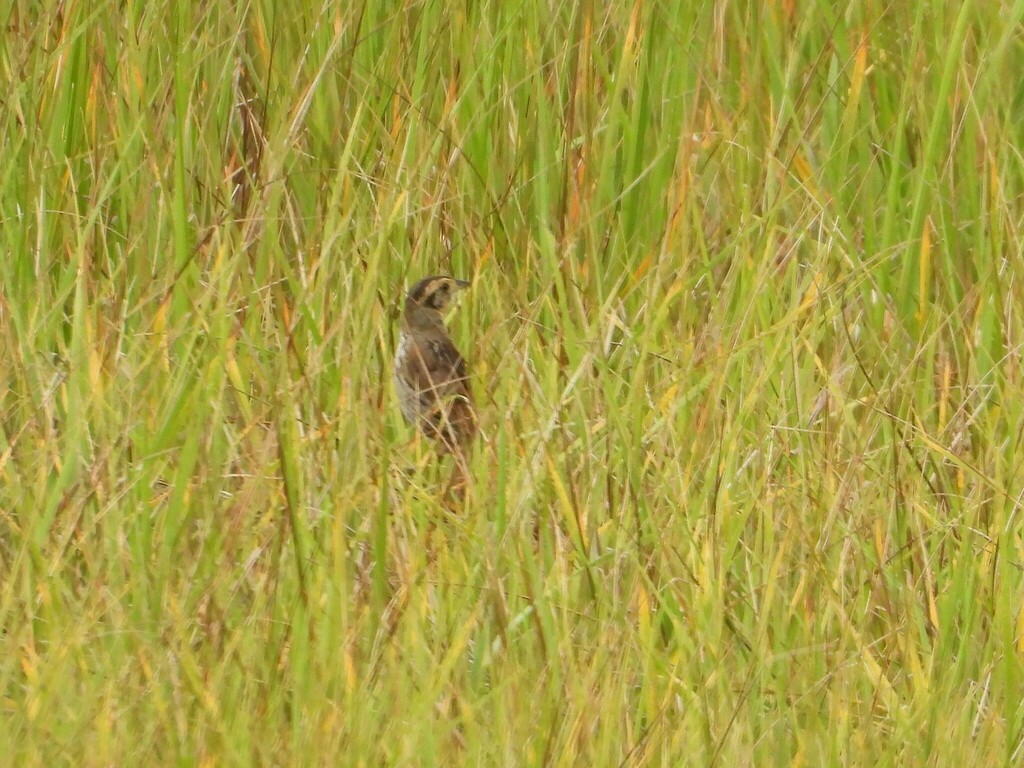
(438, 372)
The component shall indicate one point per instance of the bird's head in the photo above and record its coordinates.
(432, 296)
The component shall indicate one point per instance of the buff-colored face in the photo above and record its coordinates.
(436, 292)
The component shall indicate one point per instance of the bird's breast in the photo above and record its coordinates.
(408, 397)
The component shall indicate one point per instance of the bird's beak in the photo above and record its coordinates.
(462, 284)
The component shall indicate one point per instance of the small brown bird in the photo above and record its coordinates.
(430, 374)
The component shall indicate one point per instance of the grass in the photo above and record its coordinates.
(743, 329)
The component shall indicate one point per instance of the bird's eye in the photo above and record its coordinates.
(438, 297)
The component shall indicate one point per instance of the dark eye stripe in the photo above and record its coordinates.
(425, 287)
(439, 296)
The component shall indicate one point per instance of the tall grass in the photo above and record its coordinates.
(743, 331)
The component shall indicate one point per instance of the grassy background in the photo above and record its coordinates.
(743, 329)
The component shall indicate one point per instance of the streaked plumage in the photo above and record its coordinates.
(430, 375)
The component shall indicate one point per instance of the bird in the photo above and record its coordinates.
(430, 373)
